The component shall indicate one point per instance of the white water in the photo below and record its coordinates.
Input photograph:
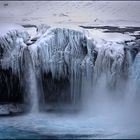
(33, 90)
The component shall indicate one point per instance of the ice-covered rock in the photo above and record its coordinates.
(110, 61)
(13, 39)
(75, 57)
(40, 29)
(65, 53)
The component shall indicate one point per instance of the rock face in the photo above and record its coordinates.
(65, 64)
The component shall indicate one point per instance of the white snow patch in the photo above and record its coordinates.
(7, 27)
(119, 13)
(113, 37)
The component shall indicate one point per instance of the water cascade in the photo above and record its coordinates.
(65, 66)
(30, 80)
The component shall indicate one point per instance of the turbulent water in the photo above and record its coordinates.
(90, 84)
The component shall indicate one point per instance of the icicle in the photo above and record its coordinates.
(13, 39)
(62, 52)
(109, 62)
(12, 42)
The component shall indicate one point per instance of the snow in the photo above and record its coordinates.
(31, 31)
(112, 37)
(8, 27)
(119, 13)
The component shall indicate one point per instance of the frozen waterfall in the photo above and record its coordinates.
(64, 65)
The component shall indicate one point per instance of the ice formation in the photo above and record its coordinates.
(72, 55)
(66, 53)
(110, 61)
(12, 42)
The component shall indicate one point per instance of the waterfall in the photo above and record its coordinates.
(30, 81)
(33, 89)
(66, 65)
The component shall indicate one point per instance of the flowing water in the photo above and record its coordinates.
(33, 90)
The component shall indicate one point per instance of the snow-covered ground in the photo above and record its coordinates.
(123, 13)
